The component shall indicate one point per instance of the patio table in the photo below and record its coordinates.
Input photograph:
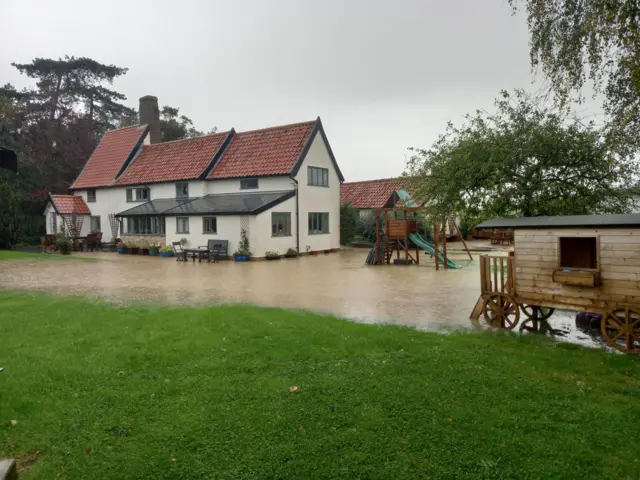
(198, 253)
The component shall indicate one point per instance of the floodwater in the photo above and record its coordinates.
(337, 283)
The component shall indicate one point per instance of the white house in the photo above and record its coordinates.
(280, 184)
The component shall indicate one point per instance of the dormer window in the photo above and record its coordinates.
(248, 183)
(182, 190)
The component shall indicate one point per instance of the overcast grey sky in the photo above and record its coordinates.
(382, 75)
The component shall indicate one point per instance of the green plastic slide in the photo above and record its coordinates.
(430, 248)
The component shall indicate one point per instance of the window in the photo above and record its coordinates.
(54, 222)
(318, 223)
(248, 183)
(182, 190)
(209, 225)
(145, 225)
(182, 225)
(95, 224)
(91, 195)
(318, 176)
(280, 224)
(578, 252)
(140, 194)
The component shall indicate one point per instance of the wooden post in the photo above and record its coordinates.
(444, 243)
(462, 238)
(436, 235)
(406, 238)
(386, 234)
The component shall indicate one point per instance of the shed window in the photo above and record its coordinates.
(579, 252)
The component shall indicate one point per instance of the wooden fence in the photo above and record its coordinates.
(497, 274)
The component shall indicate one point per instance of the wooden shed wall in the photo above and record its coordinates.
(536, 253)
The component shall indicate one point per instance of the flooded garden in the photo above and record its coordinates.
(339, 284)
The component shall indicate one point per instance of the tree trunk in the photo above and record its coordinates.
(54, 99)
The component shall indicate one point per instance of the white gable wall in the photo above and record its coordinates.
(319, 199)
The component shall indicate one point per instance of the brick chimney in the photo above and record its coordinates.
(150, 115)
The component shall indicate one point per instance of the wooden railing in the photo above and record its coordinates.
(497, 274)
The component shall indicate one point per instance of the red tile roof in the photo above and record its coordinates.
(271, 151)
(67, 204)
(109, 157)
(370, 193)
(177, 160)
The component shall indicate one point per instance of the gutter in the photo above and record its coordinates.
(297, 216)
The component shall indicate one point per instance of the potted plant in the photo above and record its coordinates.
(291, 253)
(166, 251)
(243, 253)
(183, 241)
(144, 247)
(133, 248)
(122, 247)
(154, 249)
(272, 255)
(64, 245)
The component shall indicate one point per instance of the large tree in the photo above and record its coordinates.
(573, 41)
(524, 159)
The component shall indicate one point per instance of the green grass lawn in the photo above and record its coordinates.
(17, 255)
(102, 392)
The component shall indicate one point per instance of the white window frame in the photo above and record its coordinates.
(243, 185)
(316, 220)
(179, 186)
(180, 225)
(317, 176)
(215, 225)
(91, 220)
(133, 194)
(285, 219)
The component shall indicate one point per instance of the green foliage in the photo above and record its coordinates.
(174, 126)
(366, 228)
(166, 248)
(291, 252)
(272, 254)
(54, 127)
(573, 42)
(94, 388)
(243, 245)
(524, 159)
(64, 245)
(349, 216)
(11, 215)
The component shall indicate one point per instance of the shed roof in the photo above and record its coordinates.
(68, 204)
(569, 221)
(370, 193)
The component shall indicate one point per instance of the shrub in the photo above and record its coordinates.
(292, 252)
(243, 245)
(64, 245)
(272, 254)
(349, 216)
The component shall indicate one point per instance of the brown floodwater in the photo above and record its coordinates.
(337, 283)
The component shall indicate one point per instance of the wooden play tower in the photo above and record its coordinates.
(392, 234)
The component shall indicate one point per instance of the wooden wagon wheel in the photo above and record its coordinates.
(544, 313)
(621, 329)
(501, 311)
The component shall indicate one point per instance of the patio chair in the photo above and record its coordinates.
(217, 249)
(48, 242)
(93, 241)
(178, 251)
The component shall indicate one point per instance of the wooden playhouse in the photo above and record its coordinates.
(580, 263)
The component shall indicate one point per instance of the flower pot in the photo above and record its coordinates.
(290, 255)
(122, 250)
(153, 252)
(166, 254)
(273, 258)
(241, 258)
(334, 250)
(144, 251)
(313, 253)
(134, 250)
